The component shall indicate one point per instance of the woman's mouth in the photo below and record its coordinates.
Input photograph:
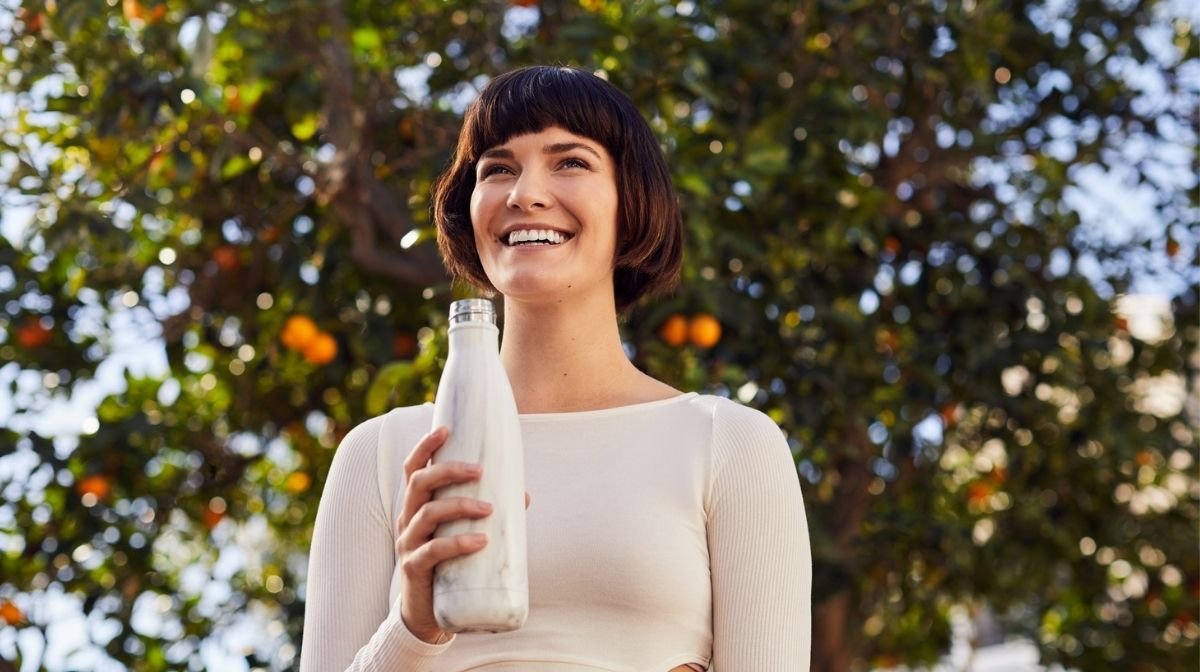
(535, 237)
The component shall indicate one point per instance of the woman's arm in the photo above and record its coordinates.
(759, 551)
(348, 623)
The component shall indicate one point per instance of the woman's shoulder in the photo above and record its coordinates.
(725, 412)
(739, 432)
(369, 433)
(373, 452)
(407, 418)
(385, 439)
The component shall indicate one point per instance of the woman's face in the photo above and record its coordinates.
(544, 210)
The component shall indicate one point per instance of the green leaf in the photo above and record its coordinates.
(306, 127)
(235, 166)
(366, 39)
(383, 392)
(695, 183)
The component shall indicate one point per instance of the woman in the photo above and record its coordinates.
(666, 531)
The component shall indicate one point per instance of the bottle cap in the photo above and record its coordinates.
(472, 310)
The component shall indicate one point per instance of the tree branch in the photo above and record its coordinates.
(364, 204)
(418, 267)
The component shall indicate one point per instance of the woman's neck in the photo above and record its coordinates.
(562, 358)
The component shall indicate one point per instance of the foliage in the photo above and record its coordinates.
(880, 212)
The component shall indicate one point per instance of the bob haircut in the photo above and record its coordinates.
(649, 249)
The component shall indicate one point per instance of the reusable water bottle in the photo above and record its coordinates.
(485, 591)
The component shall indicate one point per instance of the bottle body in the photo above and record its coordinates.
(485, 591)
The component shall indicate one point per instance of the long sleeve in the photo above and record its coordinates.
(348, 623)
(760, 554)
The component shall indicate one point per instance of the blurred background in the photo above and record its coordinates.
(950, 247)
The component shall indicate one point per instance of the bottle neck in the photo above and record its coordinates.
(474, 332)
(472, 310)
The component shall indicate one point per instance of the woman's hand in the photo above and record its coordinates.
(418, 551)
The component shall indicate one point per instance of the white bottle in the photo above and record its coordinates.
(485, 591)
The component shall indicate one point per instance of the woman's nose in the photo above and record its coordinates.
(529, 192)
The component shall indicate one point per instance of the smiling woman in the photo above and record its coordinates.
(666, 530)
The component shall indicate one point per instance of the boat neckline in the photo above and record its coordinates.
(612, 410)
(601, 412)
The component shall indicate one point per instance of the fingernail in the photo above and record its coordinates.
(483, 506)
(478, 539)
(474, 469)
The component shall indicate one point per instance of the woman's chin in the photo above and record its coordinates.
(547, 293)
(529, 284)
(535, 294)
(546, 287)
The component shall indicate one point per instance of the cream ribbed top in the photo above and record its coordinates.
(660, 534)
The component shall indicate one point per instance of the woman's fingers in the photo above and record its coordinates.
(417, 568)
(418, 565)
(434, 513)
(421, 478)
(423, 451)
(426, 481)
(437, 476)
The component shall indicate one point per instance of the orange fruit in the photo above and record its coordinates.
(32, 20)
(270, 234)
(210, 518)
(132, 9)
(96, 485)
(10, 613)
(297, 482)
(227, 257)
(674, 330)
(32, 334)
(979, 492)
(404, 345)
(321, 350)
(886, 340)
(298, 332)
(136, 10)
(155, 15)
(704, 331)
(233, 99)
(949, 413)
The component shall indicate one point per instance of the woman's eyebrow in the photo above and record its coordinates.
(560, 147)
(497, 153)
(556, 148)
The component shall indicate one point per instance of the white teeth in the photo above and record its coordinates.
(536, 236)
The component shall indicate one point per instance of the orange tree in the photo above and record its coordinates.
(885, 255)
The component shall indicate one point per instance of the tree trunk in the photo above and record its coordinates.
(831, 652)
(834, 630)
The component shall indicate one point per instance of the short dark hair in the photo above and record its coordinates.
(529, 100)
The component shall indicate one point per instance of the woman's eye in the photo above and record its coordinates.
(574, 163)
(495, 169)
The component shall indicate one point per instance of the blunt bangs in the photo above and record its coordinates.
(534, 99)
